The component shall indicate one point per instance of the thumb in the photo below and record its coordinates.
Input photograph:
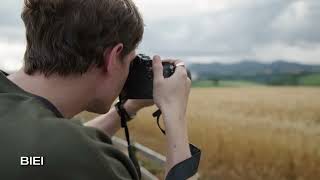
(157, 68)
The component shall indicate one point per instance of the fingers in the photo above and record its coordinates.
(172, 61)
(180, 67)
(177, 63)
(180, 64)
(157, 68)
(182, 70)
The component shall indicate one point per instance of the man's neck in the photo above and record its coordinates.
(70, 95)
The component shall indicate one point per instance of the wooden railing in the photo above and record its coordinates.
(145, 152)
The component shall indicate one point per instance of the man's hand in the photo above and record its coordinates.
(171, 96)
(134, 105)
(110, 123)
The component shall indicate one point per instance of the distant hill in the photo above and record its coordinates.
(278, 72)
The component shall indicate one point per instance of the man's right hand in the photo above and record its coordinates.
(171, 96)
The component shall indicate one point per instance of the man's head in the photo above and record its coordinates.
(75, 37)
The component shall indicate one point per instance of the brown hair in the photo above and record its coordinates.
(68, 36)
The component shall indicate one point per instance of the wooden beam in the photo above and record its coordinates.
(157, 158)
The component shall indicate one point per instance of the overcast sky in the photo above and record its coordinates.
(204, 30)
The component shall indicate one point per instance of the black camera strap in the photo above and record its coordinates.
(124, 116)
(186, 168)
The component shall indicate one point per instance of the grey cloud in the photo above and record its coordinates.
(10, 13)
(234, 32)
(11, 25)
(306, 31)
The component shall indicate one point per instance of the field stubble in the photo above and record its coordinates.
(248, 133)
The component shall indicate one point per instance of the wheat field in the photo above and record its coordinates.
(246, 133)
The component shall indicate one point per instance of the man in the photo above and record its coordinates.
(77, 58)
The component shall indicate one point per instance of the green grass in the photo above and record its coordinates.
(208, 83)
(310, 80)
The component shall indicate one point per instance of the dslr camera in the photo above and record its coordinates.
(139, 84)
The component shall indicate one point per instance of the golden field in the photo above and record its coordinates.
(247, 133)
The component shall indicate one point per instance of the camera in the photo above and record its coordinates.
(139, 84)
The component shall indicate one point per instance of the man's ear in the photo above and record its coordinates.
(112, 55)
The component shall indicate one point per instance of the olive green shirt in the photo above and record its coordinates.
(30, 126)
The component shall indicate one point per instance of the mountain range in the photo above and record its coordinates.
(250, 69)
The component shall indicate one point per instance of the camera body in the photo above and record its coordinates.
(139, 84)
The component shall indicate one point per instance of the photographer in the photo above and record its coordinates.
(77, 58)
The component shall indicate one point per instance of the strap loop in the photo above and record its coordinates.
(157, 114)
